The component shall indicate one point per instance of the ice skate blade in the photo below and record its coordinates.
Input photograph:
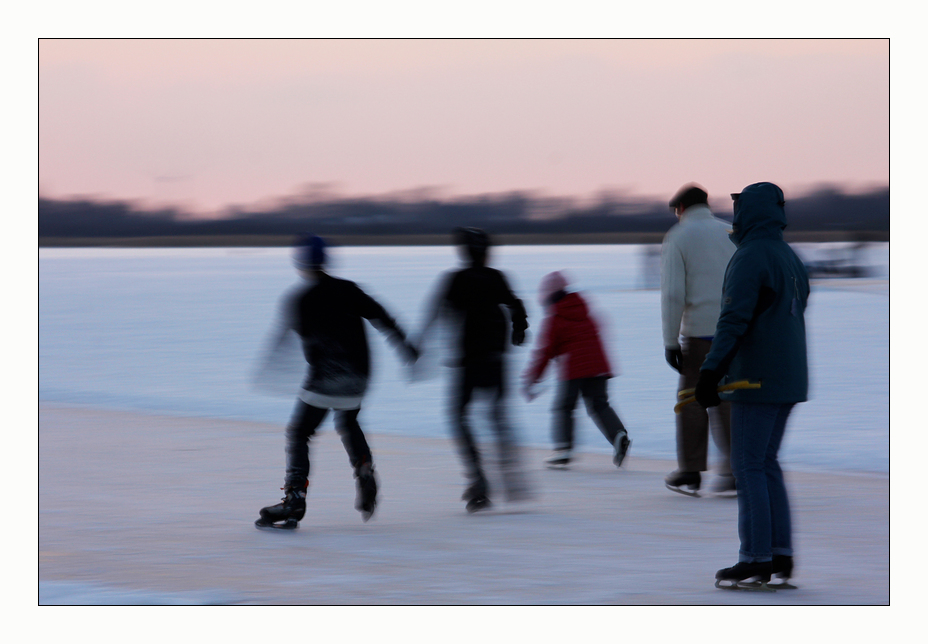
(289, 524)
(478, 506)
(680, 490)
(750, 586)
(619, 459)
(772, 585)
(557, 466)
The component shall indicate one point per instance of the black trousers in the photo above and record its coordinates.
(596, 398)
(693, 422)
(302, 428)
(487, 379)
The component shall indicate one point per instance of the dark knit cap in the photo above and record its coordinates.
(689, 195)
(310, 253)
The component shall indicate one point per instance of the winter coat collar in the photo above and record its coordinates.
(699, 211)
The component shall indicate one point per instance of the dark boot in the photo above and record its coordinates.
(677, 480)
(782, 566)
(743, 570)
(366, 501)
(476, 495)
(290, 510)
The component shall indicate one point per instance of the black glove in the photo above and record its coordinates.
(674, 358)
(706, 386)
(518, 336)
(412, 354)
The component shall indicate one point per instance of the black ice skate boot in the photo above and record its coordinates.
(622, 443)
(782, 569)
(745, 575)
(725, 485)
(366, 501)
(476, 496)
(558, 460)
(677, 479)
(287, 514)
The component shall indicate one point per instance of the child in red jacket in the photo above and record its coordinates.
(569, 334)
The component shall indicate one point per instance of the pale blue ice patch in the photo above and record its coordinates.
(182, 331)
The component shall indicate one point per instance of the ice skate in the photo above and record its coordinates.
(676, 481)
(622, 443)
(745, 575)
(782, 568)
(287, 514)
(366, 501)
(558, 460)
(478, 503)
(476, 496)
(724, 485)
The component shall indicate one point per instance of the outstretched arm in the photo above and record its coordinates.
(384, 322)
(517, 313)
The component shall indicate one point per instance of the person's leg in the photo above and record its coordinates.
(692, 421)
(720, 422)
(467, 448)
(361, 459)
(292, 507)
(514, 481)
(596, 398)
(346, 424)
(563, 414)
(781, 532)
(752, 427)
(301, 428)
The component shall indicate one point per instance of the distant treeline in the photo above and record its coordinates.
(864, 216)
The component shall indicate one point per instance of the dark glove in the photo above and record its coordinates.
(411, 353)
(706, 386)
(518, 336)
(674, 358)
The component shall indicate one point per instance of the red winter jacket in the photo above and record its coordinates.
(569, 332)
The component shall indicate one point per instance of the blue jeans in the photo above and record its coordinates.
(763, 507)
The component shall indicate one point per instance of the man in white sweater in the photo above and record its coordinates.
(694, 256)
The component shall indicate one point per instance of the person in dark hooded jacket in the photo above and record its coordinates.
(760, 337)
(570, 335)
(472, 299)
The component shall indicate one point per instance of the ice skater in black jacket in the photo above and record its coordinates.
(328, 315)
(472, 300)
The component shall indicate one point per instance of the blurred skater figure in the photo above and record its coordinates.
(760, 337)
(571, 336)
(471, 299)
(694, 255)
(328, 315)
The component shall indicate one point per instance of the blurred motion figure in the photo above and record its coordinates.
(472, 300)
(571, 336)
(694, 255)
(328, 315)
(760, 337)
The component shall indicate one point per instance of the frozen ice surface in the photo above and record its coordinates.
(181, 331)
(155, 452)
(154, 509)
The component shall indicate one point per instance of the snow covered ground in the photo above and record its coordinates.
(156, 451)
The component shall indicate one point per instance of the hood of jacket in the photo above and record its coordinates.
(759, 213)
(571, 307)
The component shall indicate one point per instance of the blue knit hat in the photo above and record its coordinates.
(309, 253)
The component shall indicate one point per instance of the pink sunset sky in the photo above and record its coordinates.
(209, 124)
